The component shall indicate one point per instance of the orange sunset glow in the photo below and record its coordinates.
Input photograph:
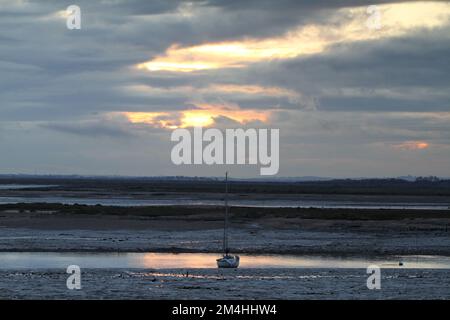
(412, 145)
(204, 116)
(216, 88)
(303, 40)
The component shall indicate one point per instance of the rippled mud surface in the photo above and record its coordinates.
(225, 284)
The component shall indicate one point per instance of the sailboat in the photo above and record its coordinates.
(228, 260)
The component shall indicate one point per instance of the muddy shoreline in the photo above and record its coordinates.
(270, 284)
(68, 228)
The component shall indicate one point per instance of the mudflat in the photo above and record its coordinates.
(214, 284)
(57, 227)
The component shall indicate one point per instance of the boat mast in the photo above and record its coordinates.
(225, 227)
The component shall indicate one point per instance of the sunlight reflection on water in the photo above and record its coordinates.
(37, 260)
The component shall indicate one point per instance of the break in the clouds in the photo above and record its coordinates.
(352, 96)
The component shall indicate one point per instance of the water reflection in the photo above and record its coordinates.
(36, 260)
(361, 203)
(167, 261)
(25, 186)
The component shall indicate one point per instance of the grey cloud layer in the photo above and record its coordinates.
(55, 84)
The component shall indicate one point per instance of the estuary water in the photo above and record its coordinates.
(362, 203)
(48, 260)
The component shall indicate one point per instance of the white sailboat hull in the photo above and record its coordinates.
(228, 262)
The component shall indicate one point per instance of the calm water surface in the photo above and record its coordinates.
(24, 186)
(38, 260)
(301, 203)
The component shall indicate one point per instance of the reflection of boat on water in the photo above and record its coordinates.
(228, 260)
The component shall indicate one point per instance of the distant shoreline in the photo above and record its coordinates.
(199, 185)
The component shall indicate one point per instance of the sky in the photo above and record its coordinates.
(356, 88)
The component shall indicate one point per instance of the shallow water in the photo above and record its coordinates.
(270, 203)
(41, 260)
(24, 186)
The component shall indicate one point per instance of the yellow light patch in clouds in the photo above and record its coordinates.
(159, 119)
(412, 145)
(251, 90)
(204, 116)
(347, 25)
(196, 118)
